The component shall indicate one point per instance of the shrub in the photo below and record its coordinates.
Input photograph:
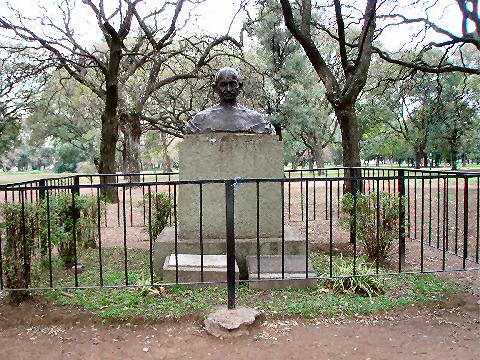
(161, 207)
(18, 231)
(360, 285)
(366, 224)
(62, 215)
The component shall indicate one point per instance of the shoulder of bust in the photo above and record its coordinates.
(208, 111)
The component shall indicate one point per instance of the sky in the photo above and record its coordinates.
(215, 17)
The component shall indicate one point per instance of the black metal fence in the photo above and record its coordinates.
(431, 219)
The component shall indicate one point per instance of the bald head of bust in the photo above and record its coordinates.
(228, 116)
(227, 85)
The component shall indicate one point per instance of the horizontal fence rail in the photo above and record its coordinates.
(83, 232)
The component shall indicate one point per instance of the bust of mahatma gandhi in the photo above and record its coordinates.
(228, 115)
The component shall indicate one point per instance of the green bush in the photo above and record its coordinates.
(366, 224)
(161, 207)
(62, 216)
(18, 230)
(358, 285)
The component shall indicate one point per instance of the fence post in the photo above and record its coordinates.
(41, 191)
(355, 188)
(230, 232)
(401, 221)
(465, 221)
(76, 185)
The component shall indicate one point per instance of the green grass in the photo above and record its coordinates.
(21, 176)
(177, 301)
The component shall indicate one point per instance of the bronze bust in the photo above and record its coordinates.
(228, 115)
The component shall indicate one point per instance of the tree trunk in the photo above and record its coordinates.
(109, 134)
(91, 154)
(108, 142)
(311, 160)
(418, 158)
(453, 157)
(166, 159)
(318, 153)
(131, 136)
(347, 118)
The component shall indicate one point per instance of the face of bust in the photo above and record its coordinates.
(228, 87)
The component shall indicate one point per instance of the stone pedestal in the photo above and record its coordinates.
(294, 275)
(220, 156)
(165, 246)
(229, 156)
(190, 269)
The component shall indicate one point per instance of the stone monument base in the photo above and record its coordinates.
(165, 246)
(271, 272)
(189, 269)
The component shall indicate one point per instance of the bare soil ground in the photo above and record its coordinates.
(41, 331)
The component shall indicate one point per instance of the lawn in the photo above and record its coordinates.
(163, 302)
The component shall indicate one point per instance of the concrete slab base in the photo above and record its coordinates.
(271, 272)
(226, 323)
(165, 245)
(189, 269)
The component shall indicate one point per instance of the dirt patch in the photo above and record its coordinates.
(450, 331)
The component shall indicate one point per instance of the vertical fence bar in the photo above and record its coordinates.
(170, 199)
(314, 197)
(409, 226)
(415, 206)
(388, 181)
(75, 217)
(301, 193)
(130, 198)
(143, 199)
(282, 191)
(383, 180)
(306, 229)
(438, 211)
(331, 215)
(257, 188)
(456, 214)
(338, 194)
(478, 219)
(446, 217)
(175, 227)
(401, 221)
(91, 185)
(289, 196)
(125, 253)
(326, 196)
(49, 240)
(377, 237)
(354, 226)
(465, 220)
(430, 209)
(230, 234)
(118, 206)
(99, 230)
(150, 235)
(201, 230)
(422, 223)
(1, 257)
(445, 225)
(76, 185)
(24, 240)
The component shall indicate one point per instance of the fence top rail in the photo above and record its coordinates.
(407, 172)
(28, 182)
(236, 181)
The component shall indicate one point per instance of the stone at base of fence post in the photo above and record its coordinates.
(225, 323)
